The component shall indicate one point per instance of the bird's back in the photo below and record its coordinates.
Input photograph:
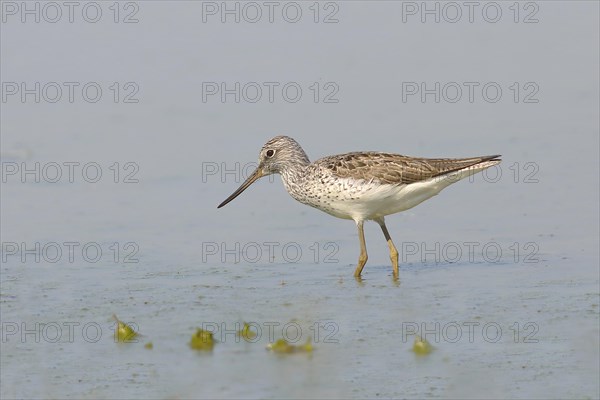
(387, 168)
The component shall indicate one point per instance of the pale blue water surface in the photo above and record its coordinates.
(501, 271)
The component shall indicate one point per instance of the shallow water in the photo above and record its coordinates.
(499, 273)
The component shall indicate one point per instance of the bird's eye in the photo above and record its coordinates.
(270, 153)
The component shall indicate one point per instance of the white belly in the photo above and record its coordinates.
(363, 200)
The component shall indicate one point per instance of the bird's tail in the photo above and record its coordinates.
(464, 168)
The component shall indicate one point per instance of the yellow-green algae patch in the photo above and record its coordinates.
(282, 346)
(202, 340)
(123, 332)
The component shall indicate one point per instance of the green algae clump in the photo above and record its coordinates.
(421, 346)
(123, 332)
(202, 340)
(283, 347)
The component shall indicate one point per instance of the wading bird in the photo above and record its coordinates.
(362, 185)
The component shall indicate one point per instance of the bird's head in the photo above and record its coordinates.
(275, 156)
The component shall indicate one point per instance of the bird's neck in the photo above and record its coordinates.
(294, 171)
(293, 174)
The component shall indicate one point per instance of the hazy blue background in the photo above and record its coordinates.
(174, 137)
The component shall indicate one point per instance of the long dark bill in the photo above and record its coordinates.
(255, 176)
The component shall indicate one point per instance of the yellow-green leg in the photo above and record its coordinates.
(362, 258)
(393, 250)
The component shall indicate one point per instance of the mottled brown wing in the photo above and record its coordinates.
(394, 168)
